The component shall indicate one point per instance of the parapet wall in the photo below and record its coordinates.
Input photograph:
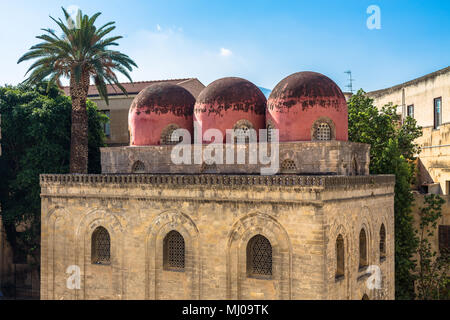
(304, 157)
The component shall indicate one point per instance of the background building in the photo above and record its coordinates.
(117, 129)
(427, 99)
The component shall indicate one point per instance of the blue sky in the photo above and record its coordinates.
(262, 41)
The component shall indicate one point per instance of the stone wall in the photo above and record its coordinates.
(216, 215)
(325, 157)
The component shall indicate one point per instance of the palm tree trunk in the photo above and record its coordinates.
(79, 131)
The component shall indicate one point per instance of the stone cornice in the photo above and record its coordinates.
(325, 182)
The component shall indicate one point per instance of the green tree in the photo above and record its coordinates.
(432, 268)
(392, 151)
(36, 139)
(80, 54)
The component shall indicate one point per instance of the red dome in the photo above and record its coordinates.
(158, 109)
(228, 102)
(305, 101)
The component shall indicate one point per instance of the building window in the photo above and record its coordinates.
(444, 239)
(174, 251)
(437, 112)
(100, 246)
(340, 254)
(355, 170)
(382, 243)
(323, 132)
(259, 257)
(362, 249)
(107, 125)
(410, 111)
(288, 166)
(168, 137)
(138, 167)
(242, 131)
(208, 168)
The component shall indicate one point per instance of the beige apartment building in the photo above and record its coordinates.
(117, 129)
(427, 99)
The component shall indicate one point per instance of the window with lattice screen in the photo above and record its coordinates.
(288, 166)
(242, 131)
(340, 254)
(444, 239)
(259, 257)
(208, 168)
(100, 246)
(169, 137)
(138, 167)
(382, 242)
(323, 132)
(174, 251)
(362, 249)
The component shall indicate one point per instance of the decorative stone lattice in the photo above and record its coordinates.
(241, 131)
(323, 132)
(168, 137)
(101, 246)
(382, 242)
(362, 249)
(138, 167)
(260, 256)
(288, 166)
(340, 252)
(208, 167)
(175, 251)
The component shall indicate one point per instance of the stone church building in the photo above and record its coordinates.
(148, 228)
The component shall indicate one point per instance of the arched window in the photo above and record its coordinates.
(382, 243)
(208, 168)
(242, 131)
(138, 167)
(174, 251)
(259, 257)
(100, 246)
(362, 249)
(340, 254)
(288, 166)
(323, 132)
(354, 167)
(323, 129)
(168, 137)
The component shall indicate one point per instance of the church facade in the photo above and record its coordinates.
(322, 227)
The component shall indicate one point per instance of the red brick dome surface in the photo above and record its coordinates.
(301, 99)
(155, 108)
(228, 100)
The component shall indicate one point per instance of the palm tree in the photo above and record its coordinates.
(80, 54)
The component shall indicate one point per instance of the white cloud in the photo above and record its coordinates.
(158, 27)
(225, 52)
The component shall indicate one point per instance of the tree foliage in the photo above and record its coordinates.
(36, 126)
(432, 268)
(82, 53)
(392, 151)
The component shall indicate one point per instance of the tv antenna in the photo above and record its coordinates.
(350, 81)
